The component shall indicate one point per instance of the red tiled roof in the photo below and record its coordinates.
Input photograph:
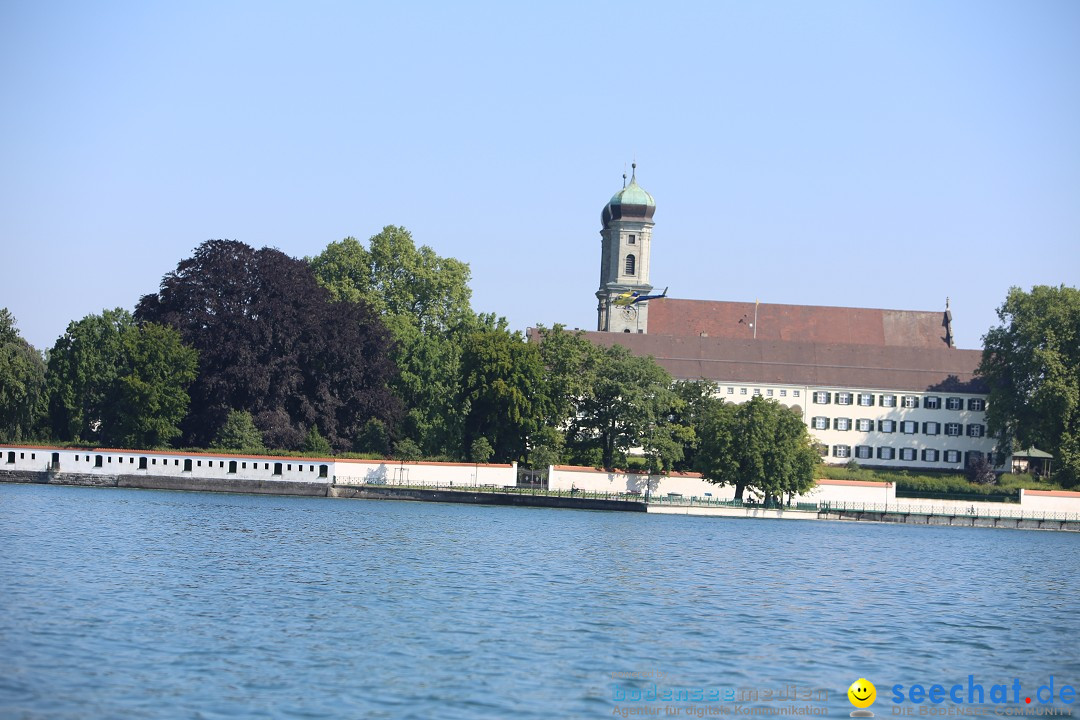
(820, 364)
(798, 323)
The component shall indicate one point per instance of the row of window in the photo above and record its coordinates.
(100, 461)
(929, 402)
(905, 454)
(768, 392)
(907, 427)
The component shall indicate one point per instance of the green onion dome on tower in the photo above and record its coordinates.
(630, 203)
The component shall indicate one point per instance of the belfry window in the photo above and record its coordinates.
(631, 264)
(631, 240)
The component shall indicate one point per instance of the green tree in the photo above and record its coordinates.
(501, 391)
(23, 399)
(627, 407)
(149, 396)
(542, 457)
(113, 381)
(84, 365)
(239, 433)
(1031, 363)
(570, 363)
(758, 445)
(315, 442)
(424, 300)
(481, 450)
(696, 399)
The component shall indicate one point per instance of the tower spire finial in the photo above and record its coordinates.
(633, 172)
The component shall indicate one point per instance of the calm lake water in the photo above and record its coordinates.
(147, 604)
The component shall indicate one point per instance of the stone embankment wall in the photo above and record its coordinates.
(692, 485)
(244, 473)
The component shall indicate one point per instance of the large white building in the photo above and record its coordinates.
(882, 387)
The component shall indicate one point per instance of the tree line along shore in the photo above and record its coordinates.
(373, 350)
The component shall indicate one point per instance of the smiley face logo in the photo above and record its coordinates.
(862, 693)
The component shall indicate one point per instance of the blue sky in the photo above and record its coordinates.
(872, 154)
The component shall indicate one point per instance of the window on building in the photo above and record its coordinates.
(952, 456)
(631, 240)
(864, 452)
(866, 399)
(769, 392)
(886, 453)
(931, 428)
(757, 391)
(977, 404)
(953, 429)
(929, 455)
(731, 391)
(631, 265)
(742, 391)
(886, 426)
(909, 401)
(795, 393)
(976, 430)
(820, 423)
(842, 424)
(931, 403)
(783, 393)
(908, 454)
(888, 401)
(822, 449)
(954, 403)
(864, 425)
(841, 451)
(972, 456)
(821, 397)
(909, 427)
(843, 398)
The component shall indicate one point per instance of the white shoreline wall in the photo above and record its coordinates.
(251, 467)
(561, 477)
(587, 479)
(1050, 501)
(390, 472)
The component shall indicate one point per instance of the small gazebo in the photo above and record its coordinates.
(1032, 460)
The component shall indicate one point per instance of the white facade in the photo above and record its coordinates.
(891, 428)
(227, 466)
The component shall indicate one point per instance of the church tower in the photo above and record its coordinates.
(626, 239)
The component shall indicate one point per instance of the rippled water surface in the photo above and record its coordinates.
(147, 604)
